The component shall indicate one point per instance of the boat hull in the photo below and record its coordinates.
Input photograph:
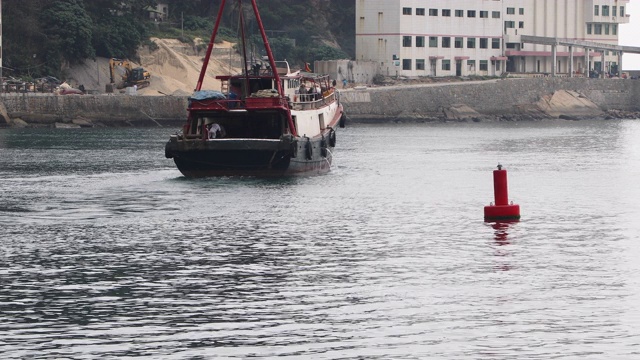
(250, 157)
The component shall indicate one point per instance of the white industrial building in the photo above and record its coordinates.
(488, 37)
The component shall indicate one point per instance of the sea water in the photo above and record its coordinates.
(106, 251)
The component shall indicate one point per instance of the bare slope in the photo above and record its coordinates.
(175, 68)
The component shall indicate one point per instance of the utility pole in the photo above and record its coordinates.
(181, 22)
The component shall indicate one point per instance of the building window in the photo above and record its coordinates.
(471, 43)
(471, 13)
(420, 64)
(484, 65)
(484, 43)
(457, 43)
(521, 11)
(497, 65)
(622, 11)
(459, 13)
(495, 14)
(406, 41)
(433, 41)
(446, 12)
(589, 31)
(433, 12)
(420, 11)
(509, 24)
(406, 11)
(471, 66)
(606, 29)
(495, 43)
(614, 11)
(614, 29)
(521, 25)
(446, 42)
(605, 10)
(484, 14)
(419, 41)
(596, 10)
(406, 64)
(597, 29)
(510, 11)
(446, 64)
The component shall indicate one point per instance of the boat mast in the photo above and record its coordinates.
(273, 66)
(244, 51)
(210, 47)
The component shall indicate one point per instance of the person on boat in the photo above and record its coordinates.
(314, 92)
(303, 92)
(215, 131)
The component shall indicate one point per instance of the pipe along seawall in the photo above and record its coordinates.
(502, 99)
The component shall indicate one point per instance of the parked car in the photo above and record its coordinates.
(48, 80)
(47, 83)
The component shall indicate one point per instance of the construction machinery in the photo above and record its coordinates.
(138, 76)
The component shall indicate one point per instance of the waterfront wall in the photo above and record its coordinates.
(488, 98)
(110, 110)
(493, 98)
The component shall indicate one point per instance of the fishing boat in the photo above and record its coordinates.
(266, 121)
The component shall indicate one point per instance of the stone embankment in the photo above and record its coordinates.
(502, 100)
(48, 110)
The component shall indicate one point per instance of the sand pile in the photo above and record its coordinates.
(174, 67)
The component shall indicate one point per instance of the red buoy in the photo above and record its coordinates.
(501, 210)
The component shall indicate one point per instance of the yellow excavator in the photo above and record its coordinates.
(132, 76)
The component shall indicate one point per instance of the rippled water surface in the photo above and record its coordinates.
(106, 251)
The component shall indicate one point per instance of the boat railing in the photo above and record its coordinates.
(304, 104)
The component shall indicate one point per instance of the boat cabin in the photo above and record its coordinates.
(249, 106)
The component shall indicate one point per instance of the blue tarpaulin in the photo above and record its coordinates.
(207, 94)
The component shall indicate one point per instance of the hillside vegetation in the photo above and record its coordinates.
(47, 37)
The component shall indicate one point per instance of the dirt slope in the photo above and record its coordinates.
(175, 68)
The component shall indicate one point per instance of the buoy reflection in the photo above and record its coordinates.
(501, 233)
(501, 239)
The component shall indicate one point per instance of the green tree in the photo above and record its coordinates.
(325, 52)
(118, 36)
(22, 39)
(69, 28)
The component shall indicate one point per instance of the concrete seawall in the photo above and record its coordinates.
(485, 98)
(488, 98)
(108, 110)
